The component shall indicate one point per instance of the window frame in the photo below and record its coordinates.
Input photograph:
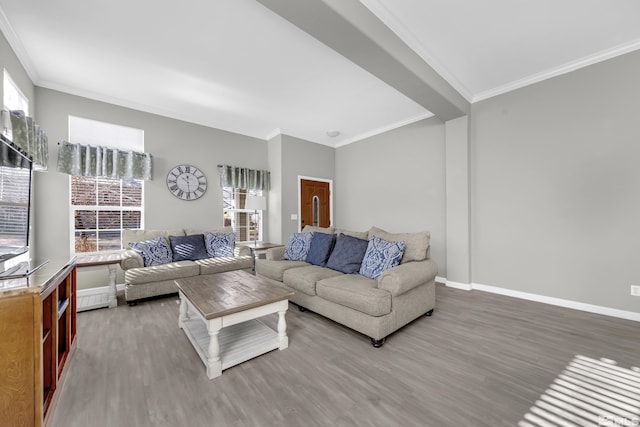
(249, 212)
(104, 208)
(16, 89)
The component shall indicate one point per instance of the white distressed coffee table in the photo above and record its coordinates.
(220, 314)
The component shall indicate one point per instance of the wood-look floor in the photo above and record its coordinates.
(481, 360)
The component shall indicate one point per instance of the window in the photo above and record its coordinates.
(101, 207)
(247, 224)
(14, 99)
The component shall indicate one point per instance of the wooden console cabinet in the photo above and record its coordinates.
(37, 336)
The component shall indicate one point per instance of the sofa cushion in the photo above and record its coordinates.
(298, 246)
(356, 292)
(274, 269)
(220, 243)
(364, 235)
(313, 228)
(381, 255)
(208, 229)
(189, 247)
(417, 244)
(132, 236)
(304, 279)
(222, 264)
(153, 252)
(320, 248)
(159, 273)
(347, 254)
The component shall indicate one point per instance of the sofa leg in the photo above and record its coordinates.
(132, 303)
(429, 313)
(377, 343)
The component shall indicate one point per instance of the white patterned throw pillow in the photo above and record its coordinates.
(220, 244)
(381, 255)
(298, 247)
(153, 252)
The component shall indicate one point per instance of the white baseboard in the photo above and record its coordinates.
(457, 285)
(591, 308)
(575, 305)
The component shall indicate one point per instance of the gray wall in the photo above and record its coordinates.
(171, 142)
(556, 186)
(295, 157)
(395, 181)
(274, 206)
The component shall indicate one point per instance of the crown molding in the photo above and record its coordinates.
(563, 69)
(18, 47)
(397, 27)
(383, 129)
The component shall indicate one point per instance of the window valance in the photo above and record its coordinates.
(29, 137)
(103, 162)
(245, 178)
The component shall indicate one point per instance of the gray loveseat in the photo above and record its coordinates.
(144, 282)
(375, 308)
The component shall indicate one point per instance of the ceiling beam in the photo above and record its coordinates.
(352, 30)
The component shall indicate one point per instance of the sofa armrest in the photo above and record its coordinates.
(400, 279)
(242, 250)
(275, 254)
(131, 259)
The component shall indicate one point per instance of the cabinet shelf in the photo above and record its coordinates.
(38, 344)
(62, 306)
(46, 333)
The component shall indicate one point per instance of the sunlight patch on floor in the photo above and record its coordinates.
(589, 392)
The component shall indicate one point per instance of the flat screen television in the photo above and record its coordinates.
(15, 199)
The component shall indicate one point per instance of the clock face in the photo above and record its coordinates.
(186, 182)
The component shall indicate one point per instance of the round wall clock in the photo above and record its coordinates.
(186, 182)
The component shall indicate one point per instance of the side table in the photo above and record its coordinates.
(260, 248)
(111, 260)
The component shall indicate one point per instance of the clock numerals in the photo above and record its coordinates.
(187, 182)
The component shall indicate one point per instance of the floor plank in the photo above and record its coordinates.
(481, 360)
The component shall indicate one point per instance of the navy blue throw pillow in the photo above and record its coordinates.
(188, 247)
(321, 244)
(347, 254)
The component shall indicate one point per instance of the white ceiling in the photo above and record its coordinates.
(237, 66)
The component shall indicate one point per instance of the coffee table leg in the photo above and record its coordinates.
(214, 364)
(184, 312)
(282, 330)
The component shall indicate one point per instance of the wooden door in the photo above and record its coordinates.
(315, 200)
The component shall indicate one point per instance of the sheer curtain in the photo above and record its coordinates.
(244, 178)
(103, 162)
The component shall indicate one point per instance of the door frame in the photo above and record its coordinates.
(311, 178)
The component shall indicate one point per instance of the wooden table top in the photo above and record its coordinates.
(221, 294)
(97, 259)
(263, 245)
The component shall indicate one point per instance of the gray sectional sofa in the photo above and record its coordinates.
(375, 308)
(144, 282)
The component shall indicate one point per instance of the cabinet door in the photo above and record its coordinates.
(19, 346)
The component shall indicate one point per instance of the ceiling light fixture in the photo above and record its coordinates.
(333, 133)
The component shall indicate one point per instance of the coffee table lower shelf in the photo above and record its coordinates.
(236, 338)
